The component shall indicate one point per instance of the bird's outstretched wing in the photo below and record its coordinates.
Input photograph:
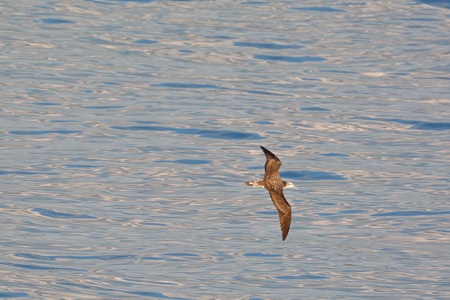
(272, 166)
(284, 212)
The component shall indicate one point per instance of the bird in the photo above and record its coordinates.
(274, 185)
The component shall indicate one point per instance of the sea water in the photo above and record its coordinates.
(129, 128)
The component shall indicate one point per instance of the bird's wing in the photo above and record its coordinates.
(273, 164)
(284, 212)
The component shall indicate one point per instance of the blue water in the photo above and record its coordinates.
(128, 129)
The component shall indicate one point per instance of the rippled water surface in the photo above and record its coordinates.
(128, 129)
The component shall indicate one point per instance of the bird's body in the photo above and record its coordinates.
(274, 185)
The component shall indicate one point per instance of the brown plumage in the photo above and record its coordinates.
(274, 185)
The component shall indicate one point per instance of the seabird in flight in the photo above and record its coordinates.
(274, 185)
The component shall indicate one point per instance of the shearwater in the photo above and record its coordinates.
(274, 185)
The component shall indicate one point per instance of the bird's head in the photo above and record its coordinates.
(290, 185)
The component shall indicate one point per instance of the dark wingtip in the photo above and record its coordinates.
(268, 154)
(265, 150)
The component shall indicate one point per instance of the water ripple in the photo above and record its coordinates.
(13, 294)
(103, 106)
(289, 59)
(302, 277)
(311, 175)
(314, 108)
(431, 126)
(188, 161)
(58, 215)
(319, 9)
(36, 267)
(43, 132)
(273, 46)
(183, 85)
(411, 213)
(421, 125)
(150, 294)
(206, 133)
(332, 154)
(146, 42)
(259, 254)
(26, 173)
(437, 3)
(75, 257)
(56, 21)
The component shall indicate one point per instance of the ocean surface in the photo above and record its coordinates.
(129, 128)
